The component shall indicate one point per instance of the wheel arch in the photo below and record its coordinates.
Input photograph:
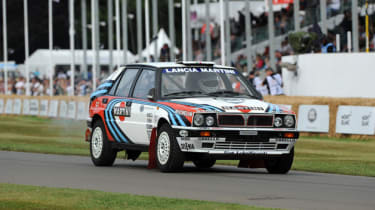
(161, 122)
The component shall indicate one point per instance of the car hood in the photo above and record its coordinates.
(232, 105)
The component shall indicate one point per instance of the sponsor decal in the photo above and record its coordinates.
(184, 113)
(312, 115)
(121, 111)
(366, 119)
(232, 100)
(187, 146)
(244, 109)
(345, 119)
(197, 70)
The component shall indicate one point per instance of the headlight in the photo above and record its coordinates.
(278, 122)
(198, 120)
(289, 120)
(210, 121)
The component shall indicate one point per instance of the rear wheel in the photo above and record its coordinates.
(204, 163)
(101, 151)
(168, 154)
(280, 165)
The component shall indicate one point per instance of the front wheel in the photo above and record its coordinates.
(168, 154)
(101, 151)
(280, 165)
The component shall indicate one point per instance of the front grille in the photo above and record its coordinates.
(231, 120)
(260, 121)
(245, 145)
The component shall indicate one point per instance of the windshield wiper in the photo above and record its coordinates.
(228, 92)
(191, 92)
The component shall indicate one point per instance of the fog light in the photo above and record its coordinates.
(205, 133)
(289, 135)
(184, 133)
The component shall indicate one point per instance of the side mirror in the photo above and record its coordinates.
(151, 94)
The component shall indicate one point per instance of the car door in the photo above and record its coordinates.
(142, 110)
(121, 108)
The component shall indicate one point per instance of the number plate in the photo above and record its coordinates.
(248, 133)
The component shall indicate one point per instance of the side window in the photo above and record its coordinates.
(126, 82)
(144, 84)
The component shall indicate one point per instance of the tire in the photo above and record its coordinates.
(169, 157)
(280, 165)
(204, 163)
(101, 151)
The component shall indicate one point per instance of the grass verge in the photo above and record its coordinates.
(30, 197)
(56, 136)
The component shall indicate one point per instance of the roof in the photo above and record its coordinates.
(175, 65)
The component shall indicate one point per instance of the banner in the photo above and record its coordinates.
(72, 110)
(34, 107)
(282, 1)
(285, 106)
(355, 120)
(81, 111)
(1, 105)
(53, 108)
(63, 109)
(17, 105)
(9, 106)
(26, 107)
(43, 109)
(313, 118)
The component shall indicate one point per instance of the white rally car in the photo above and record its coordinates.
(188, 111)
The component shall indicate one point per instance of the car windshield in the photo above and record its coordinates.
(203, 82)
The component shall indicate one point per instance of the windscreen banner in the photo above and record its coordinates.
(313, 118)
(355, 120)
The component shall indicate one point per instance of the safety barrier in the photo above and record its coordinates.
(333, 117)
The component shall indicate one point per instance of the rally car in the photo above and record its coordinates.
(188, 111)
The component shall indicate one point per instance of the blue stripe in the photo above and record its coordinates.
(108, 120)
(107, 84)
(113, 103)
(98, 92)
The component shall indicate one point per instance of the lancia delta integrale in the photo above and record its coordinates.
(188, 111)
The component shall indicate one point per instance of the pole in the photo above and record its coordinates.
(155, 28)
(248, 36)
(338, 43)
(26, 23)
(355, 25)
(188, 30)
(323, 15)
(227, 33)
(110, 33)
(147, 26)
(97, 29)
(222, 32)
(118, 33)
(208, 31)
(125, 30)
(5, 43)
(349, 34)
(84, 37)
(297, 25)
(139, 30)
(93, 43)
(367, 29)
(171, 28)
(184, 49)
(50, 32)
(71, 35)
(271, 34)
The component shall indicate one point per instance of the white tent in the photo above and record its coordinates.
(40, 59)
(161, 40)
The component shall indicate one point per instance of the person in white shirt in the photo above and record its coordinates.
(20, 86)
(274, 82)
(258, 83)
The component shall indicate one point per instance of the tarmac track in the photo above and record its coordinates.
(296, 190)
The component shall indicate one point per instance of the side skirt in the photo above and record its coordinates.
(124, 146)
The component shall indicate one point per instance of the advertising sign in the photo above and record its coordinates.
(282, 1)
(313, 118)
(53, 108)
(34, 107)
(81, 111)
(17, 104)
(72, 109)
(355, 120)
(43, 108)
(26, 107)
(63, 109)
(9, 106)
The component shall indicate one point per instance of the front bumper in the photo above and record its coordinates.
(237, 141)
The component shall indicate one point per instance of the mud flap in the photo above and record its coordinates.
(251, 164)
(152, 150)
